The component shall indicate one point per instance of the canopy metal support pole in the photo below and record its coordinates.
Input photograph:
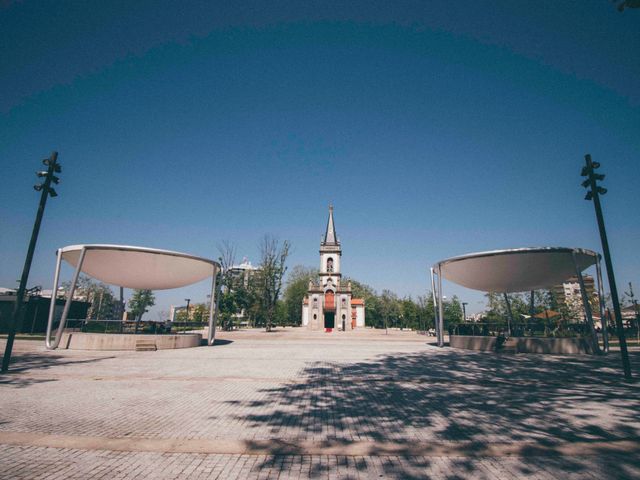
(532, 303)
(509, 312)
(67, 304)
(213, 309)
(440, 309)
(532, 309)
(121, 309)
(603, 320)
(435, 304)
(54, 296)
(216, 312)
(587, 306)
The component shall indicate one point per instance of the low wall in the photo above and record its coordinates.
(553, 345)
(469, 342)
(115, 341)
(524, 344)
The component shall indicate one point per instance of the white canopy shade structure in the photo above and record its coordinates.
(132, 267)
(515, 270)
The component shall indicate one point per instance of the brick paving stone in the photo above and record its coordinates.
(292, 386)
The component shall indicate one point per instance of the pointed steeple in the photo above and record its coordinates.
(330, 237)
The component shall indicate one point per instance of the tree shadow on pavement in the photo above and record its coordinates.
(564, 412)
(24, 363)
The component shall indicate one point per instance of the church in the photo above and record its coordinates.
(328, 304)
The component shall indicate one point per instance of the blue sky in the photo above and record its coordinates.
(435, 130)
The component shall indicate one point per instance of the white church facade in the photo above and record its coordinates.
(329, 304)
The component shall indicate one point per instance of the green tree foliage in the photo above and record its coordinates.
(388, 309)
(281, 317)
(409, 314)
(372, 310)
(180, 316)
(238, 302)
(550, 301)
(452, 311)
(359, 289)
(228, 305)
(199, 313)
(238, 297)
(104, 304)
(296, 288)
(498, 313)
(140, 301)
(426, 312)
(227, 308)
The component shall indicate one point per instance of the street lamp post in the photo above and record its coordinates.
(464, 311)
(594, 194)
(188, 300)
(47, 190)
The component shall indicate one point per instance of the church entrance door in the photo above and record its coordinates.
(329, 320)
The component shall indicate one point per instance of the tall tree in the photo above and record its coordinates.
(140, 301)
(297, 287)
(281, 317)
(228, 305)
(452, 311)
(104, 304)
(371, 301)
(273, 257)
(389, 307)
(227, 259)
(426, 314)
(409, 314)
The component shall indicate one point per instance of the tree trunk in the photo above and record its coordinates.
(268, 326)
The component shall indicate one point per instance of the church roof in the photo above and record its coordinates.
(357, 301)
(330, 237)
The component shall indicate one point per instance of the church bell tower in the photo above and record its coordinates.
(330, 254)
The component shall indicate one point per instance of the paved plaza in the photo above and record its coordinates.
(299, 404)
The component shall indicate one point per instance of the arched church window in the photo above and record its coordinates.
(329, 264)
